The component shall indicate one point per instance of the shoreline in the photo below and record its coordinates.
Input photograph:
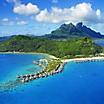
(83, 59)
(99, 58)
(50, 56)
(56, 70)
(53, 57)
(59, 68)
(22, 53)
(31, 53)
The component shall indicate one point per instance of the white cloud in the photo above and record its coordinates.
(98, 12)
(16, 2)
(28, 9)
(5, 19)
(81, 12)
(22, 23)
(7, 22)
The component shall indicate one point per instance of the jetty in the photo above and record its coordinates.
(53, 67)
(92, 59)
(85, 59)
(44, 73)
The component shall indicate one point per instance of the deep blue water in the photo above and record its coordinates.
(81, 83)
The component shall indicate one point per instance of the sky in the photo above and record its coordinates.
(39, 17)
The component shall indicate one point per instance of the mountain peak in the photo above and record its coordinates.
(80, 24)
(67, 25)
(73, 31)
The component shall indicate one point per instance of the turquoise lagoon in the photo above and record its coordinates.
(81, 83)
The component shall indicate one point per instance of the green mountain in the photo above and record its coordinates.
(78, 41)
(73, 47)
(66, 31)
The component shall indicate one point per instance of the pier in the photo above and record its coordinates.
(54, 67)
(83, 60)
(42, 74)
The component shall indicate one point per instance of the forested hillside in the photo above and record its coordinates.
(80, 46)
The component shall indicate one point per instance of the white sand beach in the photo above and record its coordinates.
(83, 59)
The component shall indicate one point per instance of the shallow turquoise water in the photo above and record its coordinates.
(81, 83)
(12, 65)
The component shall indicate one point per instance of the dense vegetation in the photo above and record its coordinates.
(79, 46)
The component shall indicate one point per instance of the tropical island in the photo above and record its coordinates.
(66, 43)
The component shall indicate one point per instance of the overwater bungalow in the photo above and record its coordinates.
(47, 71)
